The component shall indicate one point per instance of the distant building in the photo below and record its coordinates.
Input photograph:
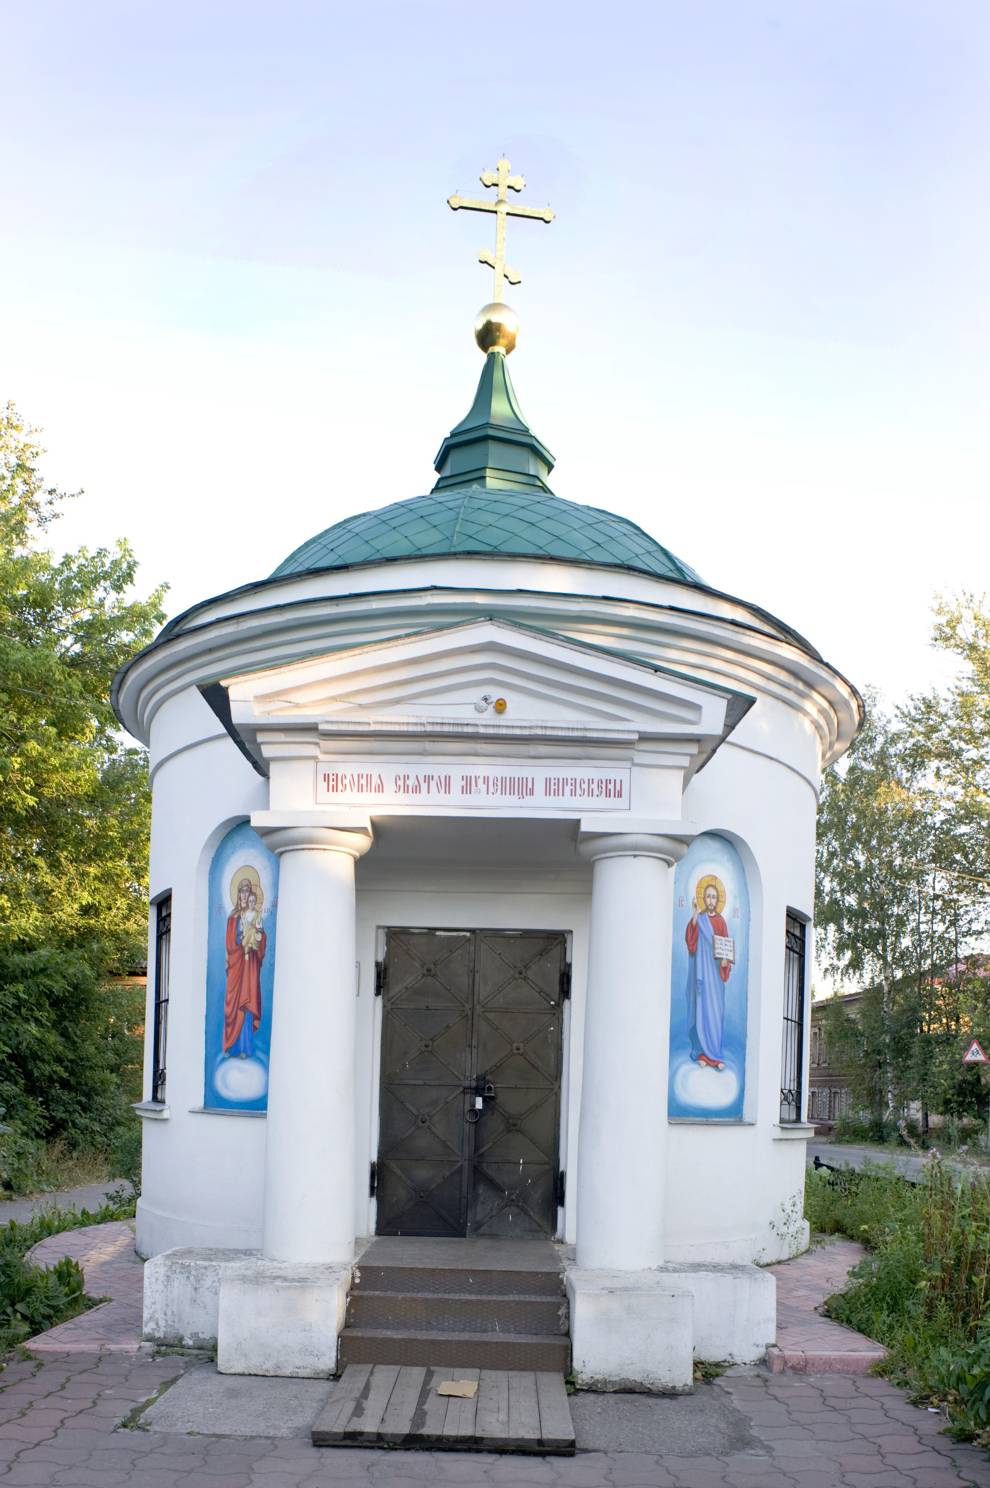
(829, 1095)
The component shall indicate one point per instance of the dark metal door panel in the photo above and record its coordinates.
(458, 1006)
(517, 1046)
(426, 1049)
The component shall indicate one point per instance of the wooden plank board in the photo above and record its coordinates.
(556, 1426)
(389, 1405)
(524, 1411)
(371, 1405)
(397, 1421)
(431, 1412)
(492, 1420)
(327, 1428)
(459, 1425)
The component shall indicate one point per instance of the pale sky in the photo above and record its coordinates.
(232, 294)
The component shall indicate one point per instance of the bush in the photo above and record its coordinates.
(69, 1044)
(862, 1128)
(23, 1168)
(33, 1298)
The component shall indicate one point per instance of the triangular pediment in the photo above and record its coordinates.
(450, 678)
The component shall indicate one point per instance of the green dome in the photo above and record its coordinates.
(484, 521)
(492, 497)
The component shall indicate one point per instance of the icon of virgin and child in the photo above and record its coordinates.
(246, 945)
(711, 953)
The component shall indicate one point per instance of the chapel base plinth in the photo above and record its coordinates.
(735, 1310)
(643, 1330)
(262, 1317)
(630, 1330)
(182, 1294)
(282, 1318)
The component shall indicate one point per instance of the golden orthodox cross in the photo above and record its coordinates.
(502, 208)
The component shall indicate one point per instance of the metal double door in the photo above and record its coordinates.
(470, 1083)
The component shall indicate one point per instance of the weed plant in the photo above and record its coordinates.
(923, 1289)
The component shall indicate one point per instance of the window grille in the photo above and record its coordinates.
(163, 952)
(793, 1032)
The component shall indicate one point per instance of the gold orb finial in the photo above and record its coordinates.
(496, 327)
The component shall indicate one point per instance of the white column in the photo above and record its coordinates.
(309, 1150)
(623, 1139)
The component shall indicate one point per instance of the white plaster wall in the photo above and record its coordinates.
(202, 1173)
(731, 1187)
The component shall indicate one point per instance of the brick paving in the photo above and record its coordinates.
(106, 1254)
(806, 1341)
(62, 1426)
(71, 1418)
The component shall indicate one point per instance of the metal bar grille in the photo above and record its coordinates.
(163, 952)
(793, 1033)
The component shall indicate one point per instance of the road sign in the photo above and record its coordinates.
(974, 1054)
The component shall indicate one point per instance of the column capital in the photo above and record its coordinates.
(353, 843)
(631, 845)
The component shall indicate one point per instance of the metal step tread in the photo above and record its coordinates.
(465, 1336)
(539, 1351)
(482, 1299)
(445, 1281)
(457, 1311)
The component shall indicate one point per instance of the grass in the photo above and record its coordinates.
(923, 1289)
(33, 1298)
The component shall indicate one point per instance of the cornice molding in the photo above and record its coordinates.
(716, 649)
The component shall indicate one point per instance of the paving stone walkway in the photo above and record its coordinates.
(84, 1414)
(63, 1424)
(806, 1341)
(91, 1196)
(112, 1270)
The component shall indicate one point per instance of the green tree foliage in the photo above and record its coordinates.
(73, 804)
(74, 818)
(948, 734)
(902, 886)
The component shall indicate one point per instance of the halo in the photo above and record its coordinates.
(702, 885)
(251, 873)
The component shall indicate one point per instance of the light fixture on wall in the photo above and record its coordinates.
(486, 701)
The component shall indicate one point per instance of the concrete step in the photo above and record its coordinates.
(432, 1312)
(486, 1281)
(515, 1351)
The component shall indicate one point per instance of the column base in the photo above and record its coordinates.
(643, 1330)
(262, 1317)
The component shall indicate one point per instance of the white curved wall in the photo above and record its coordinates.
(731, 1188)
(202, 1173)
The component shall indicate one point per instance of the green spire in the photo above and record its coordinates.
(493, 446)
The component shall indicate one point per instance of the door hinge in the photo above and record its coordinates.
(565, 982)
(372, 1180)
(561, 1187)
(379, 978)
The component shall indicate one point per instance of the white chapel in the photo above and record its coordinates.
(482, 874)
